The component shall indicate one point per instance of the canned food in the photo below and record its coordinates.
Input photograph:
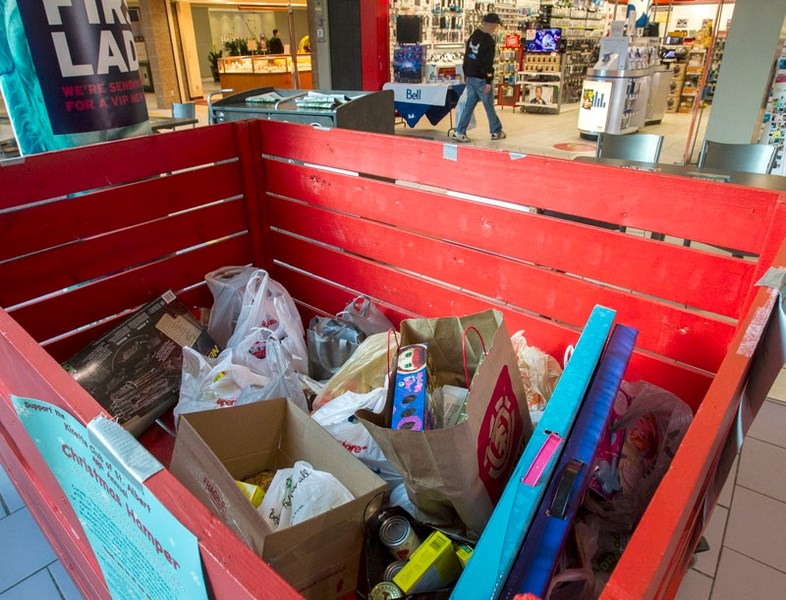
(385, 590)
(397, 534)
(392, 569)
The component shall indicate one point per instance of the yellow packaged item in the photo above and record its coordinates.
(432, 566)
(463, 553)
(254, 493)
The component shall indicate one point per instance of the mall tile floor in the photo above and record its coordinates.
(747, 531)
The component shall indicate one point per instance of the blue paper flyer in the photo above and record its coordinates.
(143, 551)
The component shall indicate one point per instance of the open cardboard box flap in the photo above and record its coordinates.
(320, 556)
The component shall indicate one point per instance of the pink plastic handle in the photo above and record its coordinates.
(550, 445)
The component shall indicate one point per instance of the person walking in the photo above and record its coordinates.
(479, 75)
(276, 46)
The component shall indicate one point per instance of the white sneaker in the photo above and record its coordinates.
(499, 136)
(459, 137)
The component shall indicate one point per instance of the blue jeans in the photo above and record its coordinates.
(475, 93)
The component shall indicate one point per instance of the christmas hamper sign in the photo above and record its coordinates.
(143, 551)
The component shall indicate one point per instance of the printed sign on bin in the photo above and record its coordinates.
(143, 551)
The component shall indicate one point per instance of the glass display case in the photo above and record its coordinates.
(278, 70)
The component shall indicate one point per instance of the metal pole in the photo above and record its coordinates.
(693, 131)
(293, 46)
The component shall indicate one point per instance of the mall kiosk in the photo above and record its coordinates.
(616, 93)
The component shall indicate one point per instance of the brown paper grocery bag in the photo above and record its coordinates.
(455, 476)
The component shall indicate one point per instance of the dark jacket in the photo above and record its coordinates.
(479, 56)
(275, 46)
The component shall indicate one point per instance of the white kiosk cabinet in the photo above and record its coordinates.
(616, 90)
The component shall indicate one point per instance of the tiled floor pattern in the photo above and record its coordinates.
(747, 531)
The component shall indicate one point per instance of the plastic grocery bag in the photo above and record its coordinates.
(330, 341)
(262, 353)
(227, 285)
(540, 373)
(364, 313)
(299, 493)
(653, 427)
(365, 370)
(461, 105)
(338, 419)
(266, 303)
(216, 383)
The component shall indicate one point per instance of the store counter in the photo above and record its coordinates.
(275, 70)
(768, 182)
(435, 100)
(361, 111)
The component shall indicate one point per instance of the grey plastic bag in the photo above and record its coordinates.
(331, 341)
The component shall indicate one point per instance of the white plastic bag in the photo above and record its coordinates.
(365, 314)
(216, 383)
(227, 285)
(262, 353)
(238, 377)
(337, 417)
(462, 105)
(299, 493)
(266, 303)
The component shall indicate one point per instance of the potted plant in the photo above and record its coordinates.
(212, 58)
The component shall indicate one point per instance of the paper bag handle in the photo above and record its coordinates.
(464, 349)
(398, 347)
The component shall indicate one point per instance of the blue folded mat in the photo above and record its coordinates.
(503, 535)
(546, 538)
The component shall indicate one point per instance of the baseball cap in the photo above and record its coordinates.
(492, 18)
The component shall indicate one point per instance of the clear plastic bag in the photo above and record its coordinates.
(330, 341)
(540, 373)
(461, 106)
(266, 303)
(297, 494)
(264, 354)
(365, 370)
(227, 285)
(653, 424)
(215, 383)
(365, 314)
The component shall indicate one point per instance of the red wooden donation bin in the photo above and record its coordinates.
(424, 229)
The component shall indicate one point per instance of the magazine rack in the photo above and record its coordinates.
(423, 228)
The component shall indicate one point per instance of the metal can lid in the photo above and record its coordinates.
(385, 590)
(392, 569)
(394, 531)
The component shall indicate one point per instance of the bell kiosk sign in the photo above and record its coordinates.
(594, 109)
(87, 63)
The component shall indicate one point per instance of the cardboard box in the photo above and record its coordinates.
(318, 557)
(134, 369)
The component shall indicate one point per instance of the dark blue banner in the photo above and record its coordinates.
(86, 61)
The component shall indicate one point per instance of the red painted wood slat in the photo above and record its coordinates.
(713, 213)
(98, 300)
(664, 329)
(65, 266)
(41, 178)
(39, 227)
(649, 267)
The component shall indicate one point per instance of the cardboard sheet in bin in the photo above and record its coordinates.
(318, 557)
